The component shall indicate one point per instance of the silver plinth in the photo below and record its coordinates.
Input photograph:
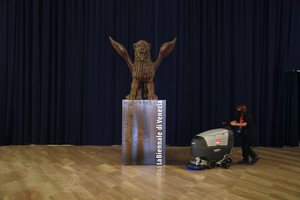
(143, 132)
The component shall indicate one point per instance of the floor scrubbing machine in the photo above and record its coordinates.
(211, 148)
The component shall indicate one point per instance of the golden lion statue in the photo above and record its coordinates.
(142, 69)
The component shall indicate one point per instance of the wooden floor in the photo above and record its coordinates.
(90, 172)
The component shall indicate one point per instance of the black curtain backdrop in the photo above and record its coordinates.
(288, 116)
(61, 82)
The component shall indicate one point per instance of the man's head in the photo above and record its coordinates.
(242, 108)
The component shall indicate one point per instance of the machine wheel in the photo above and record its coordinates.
(226, 165)
(211, 164)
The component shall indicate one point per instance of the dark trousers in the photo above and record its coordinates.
(246, 148)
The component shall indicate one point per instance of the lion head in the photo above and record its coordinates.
(142, 50)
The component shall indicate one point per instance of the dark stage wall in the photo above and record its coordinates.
(62, 82)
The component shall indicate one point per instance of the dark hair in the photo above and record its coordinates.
(242, 107)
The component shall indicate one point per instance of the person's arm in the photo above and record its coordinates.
(232, 123)
(243, 124)
(235, 123)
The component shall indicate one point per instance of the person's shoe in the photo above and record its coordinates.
(243, 162)
(254, 160)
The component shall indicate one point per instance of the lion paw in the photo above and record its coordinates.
(130, 97)
(152, 97)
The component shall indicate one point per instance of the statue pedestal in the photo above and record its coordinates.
(143, 132)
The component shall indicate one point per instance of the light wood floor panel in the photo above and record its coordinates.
(94, 173)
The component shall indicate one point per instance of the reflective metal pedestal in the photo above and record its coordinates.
(143, 132)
